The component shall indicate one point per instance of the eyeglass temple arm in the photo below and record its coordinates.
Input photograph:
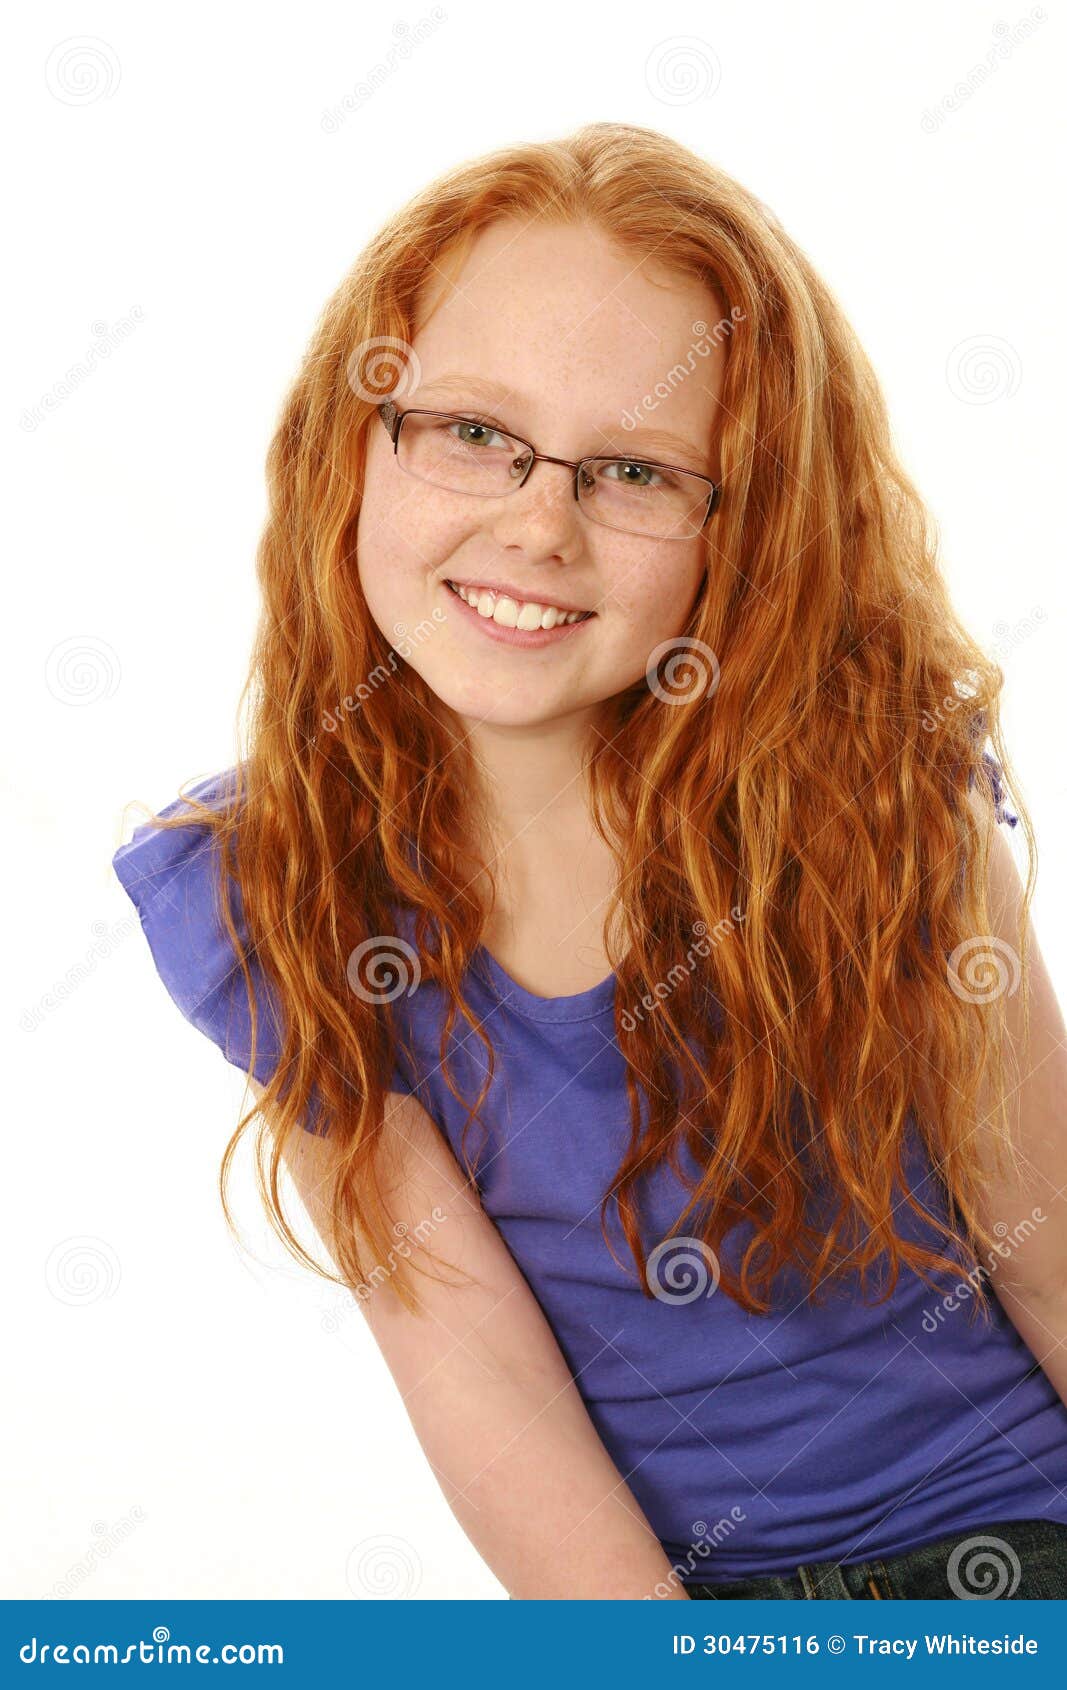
(391, 419)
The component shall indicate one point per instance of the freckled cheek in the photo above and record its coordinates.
(396, 551)
(659, 605)
(416, 542)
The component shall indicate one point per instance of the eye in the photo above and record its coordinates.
(474, 433)
(642, 470)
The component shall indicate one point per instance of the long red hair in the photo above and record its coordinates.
(810, 813)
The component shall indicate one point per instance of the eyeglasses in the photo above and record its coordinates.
(463, 455)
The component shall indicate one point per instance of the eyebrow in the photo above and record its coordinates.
(498, 392)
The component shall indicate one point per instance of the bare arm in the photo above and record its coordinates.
(487, 1389)
(1031, 1208)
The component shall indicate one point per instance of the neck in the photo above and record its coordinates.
(534, 784)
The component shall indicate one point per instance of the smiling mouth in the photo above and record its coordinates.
(525, 615)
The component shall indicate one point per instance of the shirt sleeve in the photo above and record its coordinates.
(173, 878)
(995, 773)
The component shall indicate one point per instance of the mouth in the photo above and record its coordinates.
(506, 610)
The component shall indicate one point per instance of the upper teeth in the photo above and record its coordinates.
(514, 613)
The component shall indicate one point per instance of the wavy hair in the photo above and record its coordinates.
(810, 811)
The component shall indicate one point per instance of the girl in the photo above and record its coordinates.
(610, 916)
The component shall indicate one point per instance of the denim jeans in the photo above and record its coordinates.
(1007, 1560)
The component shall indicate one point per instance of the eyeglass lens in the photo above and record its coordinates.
(472, 457)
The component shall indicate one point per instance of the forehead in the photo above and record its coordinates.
(554, 320)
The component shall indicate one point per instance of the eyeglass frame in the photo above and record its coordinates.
(393, 421)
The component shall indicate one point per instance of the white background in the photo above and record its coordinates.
(183, 1424)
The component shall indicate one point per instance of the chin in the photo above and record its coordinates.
(477, 703)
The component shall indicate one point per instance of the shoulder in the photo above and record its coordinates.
(980, 792)
(162, 867)
(173, 877)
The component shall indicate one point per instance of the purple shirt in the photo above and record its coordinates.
(752, 1443)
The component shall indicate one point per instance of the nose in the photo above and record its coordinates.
(542, 517)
